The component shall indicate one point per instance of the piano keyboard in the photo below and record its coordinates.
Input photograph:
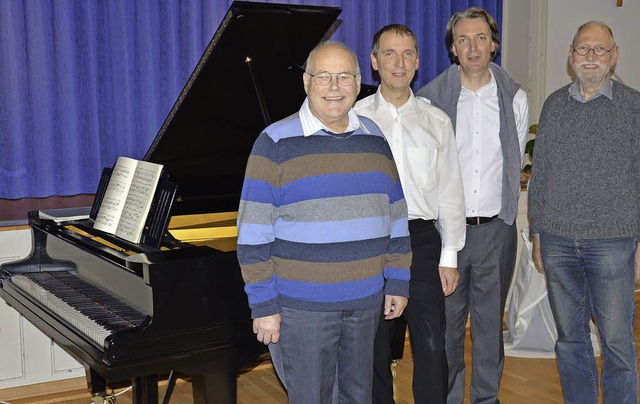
(87, 308)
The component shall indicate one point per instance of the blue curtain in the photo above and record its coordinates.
(85, 81)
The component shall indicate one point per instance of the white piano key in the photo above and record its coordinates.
(78, 320)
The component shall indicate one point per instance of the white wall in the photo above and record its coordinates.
(524, 41)
(516, 31)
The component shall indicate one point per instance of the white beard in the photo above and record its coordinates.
(590, 77)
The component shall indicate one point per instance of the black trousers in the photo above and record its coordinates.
(425, 316)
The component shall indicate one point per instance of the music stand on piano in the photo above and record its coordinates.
(155, 228)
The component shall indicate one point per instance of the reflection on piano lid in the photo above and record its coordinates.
(249, 76)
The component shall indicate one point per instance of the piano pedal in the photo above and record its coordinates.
(103, 398)
(394, 368)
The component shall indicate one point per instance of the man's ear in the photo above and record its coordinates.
(614, 56)
(306, 79)
(570, 56)
(374, 62)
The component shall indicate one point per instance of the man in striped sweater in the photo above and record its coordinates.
(323, 237)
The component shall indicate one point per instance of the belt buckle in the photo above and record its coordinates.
(474, 221)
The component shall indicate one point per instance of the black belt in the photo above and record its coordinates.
(473, 221)
(415, 224)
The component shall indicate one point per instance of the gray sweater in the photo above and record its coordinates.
(444, 92)
(585, 182)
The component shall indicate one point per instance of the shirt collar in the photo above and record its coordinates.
(605, 89)
(488, 86)
(311, 124)
(380, 101)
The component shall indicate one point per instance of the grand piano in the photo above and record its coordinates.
(135, 312)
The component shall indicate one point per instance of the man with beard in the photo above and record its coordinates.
(584, 203)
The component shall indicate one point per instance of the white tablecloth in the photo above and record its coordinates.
(531, 330)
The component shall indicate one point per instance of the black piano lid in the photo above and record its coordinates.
(249, 76)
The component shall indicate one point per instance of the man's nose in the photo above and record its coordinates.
(333, 84)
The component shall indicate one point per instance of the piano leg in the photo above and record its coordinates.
(145, 389)
(217, 382)
(96, 383)
(213, 388)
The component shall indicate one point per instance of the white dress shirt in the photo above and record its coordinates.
(424, 149)
(479, 148)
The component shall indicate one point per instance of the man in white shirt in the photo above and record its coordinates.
(423, 147)
(489, 112)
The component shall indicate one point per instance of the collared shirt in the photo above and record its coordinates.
(311, 124)
(479, 147)
(605, 89)
(423, 147)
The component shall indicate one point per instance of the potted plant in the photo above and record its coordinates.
(525, 174)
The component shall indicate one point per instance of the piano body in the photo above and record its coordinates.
(134, 311)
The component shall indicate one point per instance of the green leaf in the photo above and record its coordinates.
(528, 148)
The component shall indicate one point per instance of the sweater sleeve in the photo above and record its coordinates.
(256, 215)
(538, 178)
(398, 262)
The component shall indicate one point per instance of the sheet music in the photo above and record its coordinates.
(128, 197)
(138, 201)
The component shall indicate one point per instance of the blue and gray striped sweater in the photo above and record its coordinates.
(322, 223)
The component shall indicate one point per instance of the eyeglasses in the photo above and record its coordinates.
(584, 50)
(343, 78)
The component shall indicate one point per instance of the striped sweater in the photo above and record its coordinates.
(322, 223)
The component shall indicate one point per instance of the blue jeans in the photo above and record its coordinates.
(318, 349)
(585, 278)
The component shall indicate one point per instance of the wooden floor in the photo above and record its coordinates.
(524, 381)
